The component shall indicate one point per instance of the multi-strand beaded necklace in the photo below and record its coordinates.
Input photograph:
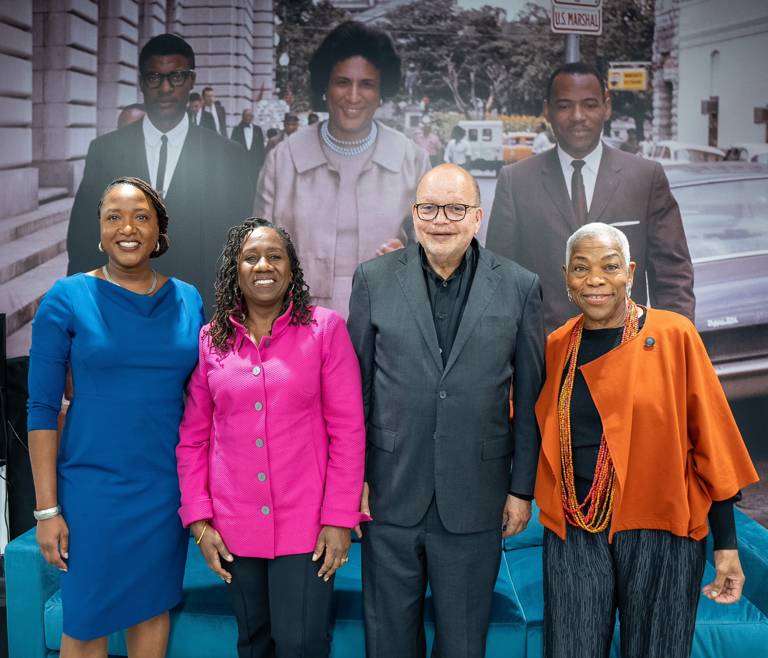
(348, 148)
(594, 513)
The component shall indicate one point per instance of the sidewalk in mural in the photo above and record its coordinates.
(755, 500)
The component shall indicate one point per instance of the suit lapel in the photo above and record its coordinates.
(136, 151)
(189, 158)
(552, 178)
(411, 278)
(608, 180)
(480, 294)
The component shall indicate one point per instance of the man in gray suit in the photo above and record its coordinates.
(442, 329)
(540, 201)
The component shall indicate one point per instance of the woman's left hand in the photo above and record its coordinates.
(334, 542)
(729, 578)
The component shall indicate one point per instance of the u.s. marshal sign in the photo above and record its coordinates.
(577, 17)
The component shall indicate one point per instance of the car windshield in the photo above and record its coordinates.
(725, 219)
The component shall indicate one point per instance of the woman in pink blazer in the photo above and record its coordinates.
(272, 446)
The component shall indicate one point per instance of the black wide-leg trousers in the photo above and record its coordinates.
(651, 577)
(461, 570)
(283, 609)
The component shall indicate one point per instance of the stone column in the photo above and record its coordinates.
(223, 40)
(152, 15)
(263, 49)
(118, 60)
(18, 179)
(65, 40)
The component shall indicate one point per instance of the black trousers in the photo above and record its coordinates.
(283, 609)
(651, 577)
(461, 570)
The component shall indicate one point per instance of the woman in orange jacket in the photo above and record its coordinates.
(639, 451)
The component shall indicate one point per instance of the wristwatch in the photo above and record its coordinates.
(45, 514)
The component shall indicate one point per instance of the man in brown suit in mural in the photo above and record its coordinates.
(540, 201)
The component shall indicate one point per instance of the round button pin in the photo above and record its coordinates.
(256, 371)
(258, 406)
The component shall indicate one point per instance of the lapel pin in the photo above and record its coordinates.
(650, 342)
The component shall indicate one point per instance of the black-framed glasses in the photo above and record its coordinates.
(175, 78)
(455, 212)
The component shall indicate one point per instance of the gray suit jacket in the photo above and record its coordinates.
(446, 431)
(532, 218)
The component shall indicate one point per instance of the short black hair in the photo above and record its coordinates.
(207, 89)
(347, 40)
(166, 44)
(154, 199)
(194, 96)
(575, 68)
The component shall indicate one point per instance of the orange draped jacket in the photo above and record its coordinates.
(671, 434)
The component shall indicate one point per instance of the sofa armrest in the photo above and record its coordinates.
(753, 553)
(30, 581)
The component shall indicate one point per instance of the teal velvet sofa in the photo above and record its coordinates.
(202, 626)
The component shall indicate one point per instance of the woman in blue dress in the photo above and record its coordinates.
(107, 493)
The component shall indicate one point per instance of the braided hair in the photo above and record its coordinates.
(229, 297)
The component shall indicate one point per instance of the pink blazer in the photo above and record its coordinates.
(272, 443)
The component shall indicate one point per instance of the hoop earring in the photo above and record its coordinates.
(568, 294)
(157, 247)
(101, 249)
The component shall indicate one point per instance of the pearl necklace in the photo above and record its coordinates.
(348, 148)
(151, 289)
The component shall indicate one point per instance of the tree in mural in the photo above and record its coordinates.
(302, 26)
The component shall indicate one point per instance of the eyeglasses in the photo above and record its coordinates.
(175, 78)
(455, 212)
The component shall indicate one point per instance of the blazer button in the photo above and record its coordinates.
(262, 477)
(265, 510)
(259, 443)
(256, 371)
(442, 395)
(258, 406)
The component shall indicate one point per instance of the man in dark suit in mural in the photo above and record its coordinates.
(202, 176)
(216, 111)
(540, 201)
(250, 137)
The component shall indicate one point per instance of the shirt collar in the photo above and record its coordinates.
(469, 255)
(278, 327)
(175, 135)
(591, 161)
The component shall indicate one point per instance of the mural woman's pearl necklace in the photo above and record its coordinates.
(348, 148)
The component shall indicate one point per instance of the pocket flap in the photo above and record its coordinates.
(498, 446)
(381, 438)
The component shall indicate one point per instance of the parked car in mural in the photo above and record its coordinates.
(725, 213)
(485, 144)
(518, 146)
(749, 152)
(668, 151)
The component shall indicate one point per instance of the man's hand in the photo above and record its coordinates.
(334, 542)
(517, 513)
(729, 578)
(389, 245)
(365, 508)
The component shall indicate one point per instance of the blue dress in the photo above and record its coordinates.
(130, 356)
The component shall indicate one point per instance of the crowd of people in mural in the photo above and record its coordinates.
(294, 337)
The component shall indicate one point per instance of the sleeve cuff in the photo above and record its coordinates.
(527, 497)
(197, 511)
(342, 518)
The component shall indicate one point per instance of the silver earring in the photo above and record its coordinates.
(325, 98)
(157, 247)
(101, 249)
(568, 293)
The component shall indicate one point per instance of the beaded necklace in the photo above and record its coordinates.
(348, 148)
(594, 512)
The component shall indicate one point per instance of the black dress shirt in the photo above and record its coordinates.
(448, 297)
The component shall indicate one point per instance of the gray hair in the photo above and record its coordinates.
(599, 230)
